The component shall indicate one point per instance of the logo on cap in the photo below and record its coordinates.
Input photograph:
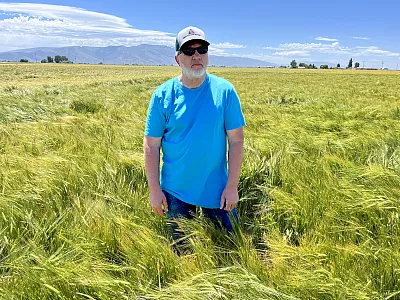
(191, 32)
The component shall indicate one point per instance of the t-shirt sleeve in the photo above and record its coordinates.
(155, 122)
(233, 112)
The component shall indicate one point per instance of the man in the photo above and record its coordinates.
(190, 117)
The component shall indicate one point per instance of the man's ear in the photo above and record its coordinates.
(177, 60)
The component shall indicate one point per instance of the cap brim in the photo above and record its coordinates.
(194, 38)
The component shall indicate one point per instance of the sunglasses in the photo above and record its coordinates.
(191, 51)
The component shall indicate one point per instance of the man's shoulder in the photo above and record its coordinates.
(219, 82)
(165, 87)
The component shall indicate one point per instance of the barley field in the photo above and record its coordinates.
(319, 188)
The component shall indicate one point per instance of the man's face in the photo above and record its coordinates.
(193, 66)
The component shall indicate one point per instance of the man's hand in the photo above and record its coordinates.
(229, 198)
(158, 202)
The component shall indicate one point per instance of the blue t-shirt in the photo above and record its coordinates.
(193, 124)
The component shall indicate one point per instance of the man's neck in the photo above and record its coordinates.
(191, 83)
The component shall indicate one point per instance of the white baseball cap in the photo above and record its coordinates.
(190, 33)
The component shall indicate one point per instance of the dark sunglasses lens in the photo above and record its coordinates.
(202, 50)
(190, 51)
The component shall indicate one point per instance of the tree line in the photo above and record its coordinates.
(57, 59)
(293, 65)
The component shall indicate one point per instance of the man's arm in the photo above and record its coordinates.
(230, 196)
(151, 147)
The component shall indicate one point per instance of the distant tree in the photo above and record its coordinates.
(50, 59)
(304, 65)
(43, 61)
(356, 65)
(293, 64)
(23, 60)
(338, 66)
(60, 59)
(350, 65)
(323, 67)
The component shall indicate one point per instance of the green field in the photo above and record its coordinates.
(319, 188)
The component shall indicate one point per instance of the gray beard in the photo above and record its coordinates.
(193, 74)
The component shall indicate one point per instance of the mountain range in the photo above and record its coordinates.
(137, 55)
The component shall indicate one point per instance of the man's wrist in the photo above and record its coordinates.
(232, 185)
(154, 188)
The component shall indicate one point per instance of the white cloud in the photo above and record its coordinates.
(333, 48)
(378, 51)
(228, 46)
(373, 50)
(292, 53)
(367, 47)
(217, 51)
(71, 15)
(360, 38)
(326, 39)
(26, 25)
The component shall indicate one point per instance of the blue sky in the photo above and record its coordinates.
(273, 31)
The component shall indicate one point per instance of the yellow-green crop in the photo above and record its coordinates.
(320, 188)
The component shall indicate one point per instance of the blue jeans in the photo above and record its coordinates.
(179, 209)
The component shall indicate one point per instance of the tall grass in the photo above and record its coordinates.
(319, 188)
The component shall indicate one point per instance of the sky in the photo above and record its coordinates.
(274, 31)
